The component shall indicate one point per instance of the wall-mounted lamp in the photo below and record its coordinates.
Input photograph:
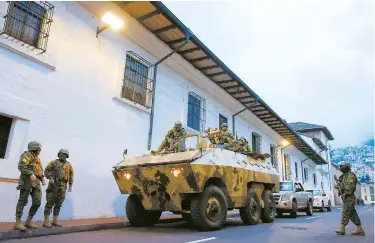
(110, 21)
(285, 143)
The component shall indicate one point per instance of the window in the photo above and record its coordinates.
(306, 174)
(137, 84)
(256, 142)
(196, 112)
(322, 184)
(29, 22)
(222, 119)
(5, 125)
(272, 152)
(314, 178)
(296, 169)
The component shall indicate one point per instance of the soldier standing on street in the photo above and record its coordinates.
(59, 172)
(175, 137)
(348, 183)
(31, 170)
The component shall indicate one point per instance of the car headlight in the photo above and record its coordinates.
(284, 197)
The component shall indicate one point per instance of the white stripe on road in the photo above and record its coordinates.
(313, 217)
(207, 239)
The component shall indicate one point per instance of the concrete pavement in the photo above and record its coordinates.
(317, 228)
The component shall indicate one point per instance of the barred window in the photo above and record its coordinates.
(314, 178)
(296, 169)
(138, 83)
(5, 126)
(196, 112)
(256, 142)
(29, 22)
(306, 174)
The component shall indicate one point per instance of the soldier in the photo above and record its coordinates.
(59, 172)
(348, 183)
(226, 138)
(174, 140)
(31, 170)
(243, 146)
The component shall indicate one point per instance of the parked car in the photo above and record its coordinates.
(321, 200)
(292, 198)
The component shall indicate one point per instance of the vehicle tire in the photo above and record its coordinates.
(137, 215)
(322, 207)
(250, 214)
(309, 210)
(293, 213)
(329, 208)
(269, 211)
(209, 209)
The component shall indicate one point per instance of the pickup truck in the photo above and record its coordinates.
(292, 198)
(321, 200)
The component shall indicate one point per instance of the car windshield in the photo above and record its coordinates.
(315, 192)
(286, 186)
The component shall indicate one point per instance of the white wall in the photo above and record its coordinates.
(65, 99)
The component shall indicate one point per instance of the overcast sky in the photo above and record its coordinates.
(310, 61)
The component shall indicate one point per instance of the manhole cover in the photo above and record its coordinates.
(294, 228)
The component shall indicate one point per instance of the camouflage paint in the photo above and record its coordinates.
(160, 189)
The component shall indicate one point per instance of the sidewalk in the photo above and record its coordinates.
(81, 225)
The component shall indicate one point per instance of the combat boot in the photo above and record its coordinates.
(46, 222)
(359, 231)
(55, 223)
(29, 224)
(341, 230)
(19, 225)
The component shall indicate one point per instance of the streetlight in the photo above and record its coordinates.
(285, 143)
(110, 21)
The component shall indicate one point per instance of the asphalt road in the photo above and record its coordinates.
(317, 228)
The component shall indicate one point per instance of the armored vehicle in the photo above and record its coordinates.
(200, 184)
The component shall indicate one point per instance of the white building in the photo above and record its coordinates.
(367, 193)
(67, 87)
(313, 175)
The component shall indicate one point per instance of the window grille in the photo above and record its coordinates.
(306, 174)
(29, 22)
(314, 178)
(196, 112)
(138, 83)
(256, 142)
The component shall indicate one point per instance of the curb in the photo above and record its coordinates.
(16, 234)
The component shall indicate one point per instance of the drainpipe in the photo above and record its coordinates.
(188, 35)
(247, 107)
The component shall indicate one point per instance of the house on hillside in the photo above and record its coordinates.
(70, 82)
(315, 176)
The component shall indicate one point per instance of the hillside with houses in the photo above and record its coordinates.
(360, 157)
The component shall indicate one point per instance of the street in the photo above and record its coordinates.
(317, 228)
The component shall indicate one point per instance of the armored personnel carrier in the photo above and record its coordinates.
(200, 184)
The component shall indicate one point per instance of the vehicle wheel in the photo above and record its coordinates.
(250, 214)
(209, 209)
(137, 215)
(322, 208)
(269, 211)
(309, 210)
(279, 213)
(293, 213)
(329, 208)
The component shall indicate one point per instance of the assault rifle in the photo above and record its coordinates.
(338, 182)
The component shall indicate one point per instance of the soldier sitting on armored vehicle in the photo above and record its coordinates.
(221, 138)
(174, 141)
(242, 146)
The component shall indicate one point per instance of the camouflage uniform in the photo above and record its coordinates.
(179, 135)
(28, 165)
(243, 146)
(226, 138)
(348, 183)
(61, 173)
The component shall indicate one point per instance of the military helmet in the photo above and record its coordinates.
(344, 164)
(243, 138)
(63, 151)
(34, 145)
(224, 125)
(177, 124)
